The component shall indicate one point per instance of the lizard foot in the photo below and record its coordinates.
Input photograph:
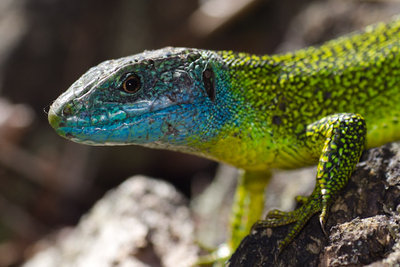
(299, 217)
(301, 199)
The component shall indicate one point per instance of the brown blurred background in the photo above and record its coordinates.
(47, 182)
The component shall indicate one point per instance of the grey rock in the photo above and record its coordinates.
(143, 222)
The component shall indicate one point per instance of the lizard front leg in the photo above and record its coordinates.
(338, 140)
(247, 208)
(248, 205)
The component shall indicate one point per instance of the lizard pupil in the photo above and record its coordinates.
(131, 84)
(209, 83)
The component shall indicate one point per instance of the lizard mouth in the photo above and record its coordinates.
(142, 128)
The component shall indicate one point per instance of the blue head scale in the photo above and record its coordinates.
(162, 98)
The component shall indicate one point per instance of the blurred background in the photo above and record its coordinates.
(46, 182)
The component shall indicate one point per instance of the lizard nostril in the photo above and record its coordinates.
(67, 110)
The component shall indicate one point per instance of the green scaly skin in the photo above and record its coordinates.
(320, 105)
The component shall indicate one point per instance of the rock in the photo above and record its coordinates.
(143, 222)
(363, 223)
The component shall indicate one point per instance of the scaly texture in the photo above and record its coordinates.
(319, 105)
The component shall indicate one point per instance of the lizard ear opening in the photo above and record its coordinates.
(209, 83)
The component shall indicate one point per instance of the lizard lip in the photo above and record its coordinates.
(56, 122)
(99, 134)
(54, 119)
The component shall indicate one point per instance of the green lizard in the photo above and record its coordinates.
(319, 105)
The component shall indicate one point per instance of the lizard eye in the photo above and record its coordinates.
(131, 83)
(209, 83)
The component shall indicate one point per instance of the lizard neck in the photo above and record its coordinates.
(244, 137)
(280, 95)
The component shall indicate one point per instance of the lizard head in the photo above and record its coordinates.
(165, 98)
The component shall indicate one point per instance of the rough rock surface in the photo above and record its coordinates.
(143, 222)
(363, 224)
(147, 223)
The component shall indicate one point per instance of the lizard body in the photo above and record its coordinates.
(319, 105)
